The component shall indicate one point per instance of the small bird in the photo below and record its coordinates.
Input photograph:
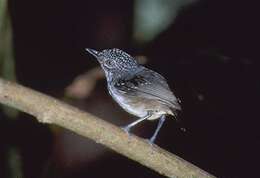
(138, 90)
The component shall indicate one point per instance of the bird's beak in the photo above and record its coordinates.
(93, 52)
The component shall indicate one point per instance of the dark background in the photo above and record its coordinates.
(209, 55)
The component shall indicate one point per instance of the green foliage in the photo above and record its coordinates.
(152, 17)
(7, 64)
(14, 163)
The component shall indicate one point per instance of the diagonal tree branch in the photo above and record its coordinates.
(49, 110)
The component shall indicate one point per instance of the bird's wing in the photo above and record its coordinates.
(148, 84)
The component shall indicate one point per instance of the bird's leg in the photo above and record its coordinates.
(129, 126)
(161, 121)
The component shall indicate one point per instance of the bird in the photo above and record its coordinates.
(140, 91)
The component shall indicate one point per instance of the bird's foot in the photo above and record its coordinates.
(127, 130)
(150, 141)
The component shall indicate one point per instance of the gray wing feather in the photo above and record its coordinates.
(151, 85)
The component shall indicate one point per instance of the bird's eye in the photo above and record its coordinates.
(109, 63)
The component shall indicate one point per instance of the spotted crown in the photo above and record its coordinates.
(121, 58)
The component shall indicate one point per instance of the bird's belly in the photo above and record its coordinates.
(130, 104)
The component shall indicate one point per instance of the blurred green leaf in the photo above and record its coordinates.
(7, 64)
(151, 17)
(14, 163)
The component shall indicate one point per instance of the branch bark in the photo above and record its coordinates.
(49, 110)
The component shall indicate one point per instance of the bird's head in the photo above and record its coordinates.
(115, 62)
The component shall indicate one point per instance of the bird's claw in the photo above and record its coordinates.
(150, 141)
(127, 130)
